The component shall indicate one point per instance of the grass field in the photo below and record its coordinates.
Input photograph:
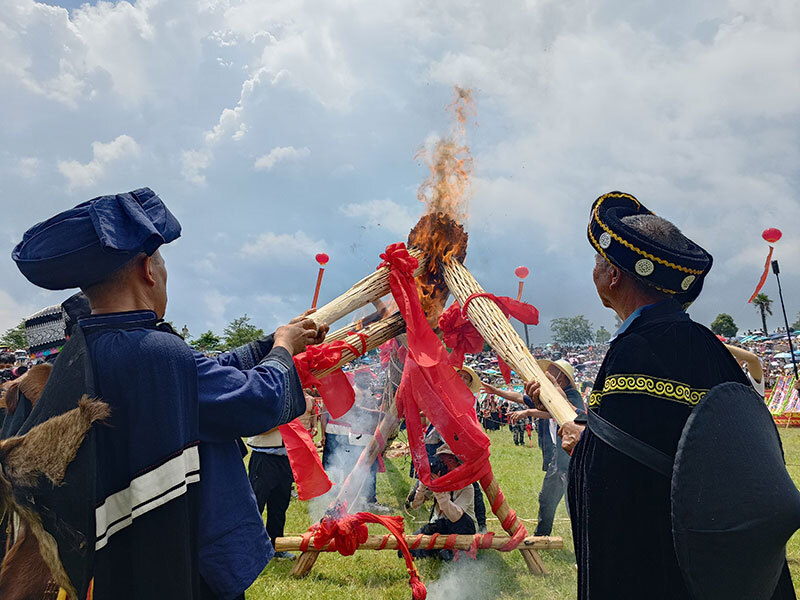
(373, 575)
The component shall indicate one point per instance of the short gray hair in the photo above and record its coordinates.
(662, 232)
(658, 230)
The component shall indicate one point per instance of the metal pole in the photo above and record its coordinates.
(527, 337)
(776, 269)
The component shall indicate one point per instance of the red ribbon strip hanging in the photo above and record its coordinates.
(431, 385)
(763, 277)
(348, 532)
(304, 459)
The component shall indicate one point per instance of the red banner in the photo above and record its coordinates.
(763, 277)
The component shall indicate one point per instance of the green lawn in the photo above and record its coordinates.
(373, 575)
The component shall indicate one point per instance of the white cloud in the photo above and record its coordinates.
(193, 163)
(283, 246)
(81, 175)
(573, 99)
(216, 304)
(28, 167)
(280, 154)
(12, 312)
(385, 213)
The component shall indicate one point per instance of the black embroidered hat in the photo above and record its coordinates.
(676, 271)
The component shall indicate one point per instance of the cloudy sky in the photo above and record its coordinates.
(278, 129)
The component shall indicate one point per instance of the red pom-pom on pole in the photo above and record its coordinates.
(771, 235)
(522, 273)
(322, 259)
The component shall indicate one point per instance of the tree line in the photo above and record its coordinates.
(567, 331)
(724, 324)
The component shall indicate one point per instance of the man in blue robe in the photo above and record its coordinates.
(171, 513)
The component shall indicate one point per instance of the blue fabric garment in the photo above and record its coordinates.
(83, 245)
(631, 318)
(165, 391)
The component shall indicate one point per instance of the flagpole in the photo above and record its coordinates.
(776, 269)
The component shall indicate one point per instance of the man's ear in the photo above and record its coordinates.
(147, 271)
(614, 276)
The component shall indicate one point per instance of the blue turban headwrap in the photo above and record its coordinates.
(84, 245)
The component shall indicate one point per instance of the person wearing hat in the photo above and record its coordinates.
(46, 331)
(474, 383)
(452, 512)
(157, 503)
(555, 460)
(659, 367)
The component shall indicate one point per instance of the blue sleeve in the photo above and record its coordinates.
(238, 403)
(527, 400)
(247, 356)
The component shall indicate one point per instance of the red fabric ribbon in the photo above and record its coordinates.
(431, 385)
(522, 311)
(304, 459)
(386, 351)
(423, 345)
(459, 334)
(763, 277)
(348, 532)
(336, 391)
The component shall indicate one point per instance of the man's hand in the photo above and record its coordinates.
(533, 389)
(489, 388)
(295, 336)
(322, 330)
(515, 416)
(570, 433)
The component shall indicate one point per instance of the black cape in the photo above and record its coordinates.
(654, 374)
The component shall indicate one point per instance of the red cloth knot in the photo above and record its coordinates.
(348, 532)
(522, 311)
(397, 258)
(459, 334)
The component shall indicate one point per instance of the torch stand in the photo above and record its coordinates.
(499, 333)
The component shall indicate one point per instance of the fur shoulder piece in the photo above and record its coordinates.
(31, 384)
(46, 450)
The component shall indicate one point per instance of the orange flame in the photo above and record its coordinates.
(447, 188)
(440, 233)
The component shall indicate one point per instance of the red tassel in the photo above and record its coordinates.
(763, 277)
(418, 590)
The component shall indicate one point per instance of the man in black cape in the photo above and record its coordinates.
(658, 368)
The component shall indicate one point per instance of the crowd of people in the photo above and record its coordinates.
(157, 501)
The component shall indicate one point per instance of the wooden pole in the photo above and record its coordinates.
(501, 336)
(502, 512)
(371, 288)
(377, 334)
(427, 542)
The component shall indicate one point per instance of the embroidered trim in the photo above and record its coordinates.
(627, 244)
(665, 389)
(604, 255)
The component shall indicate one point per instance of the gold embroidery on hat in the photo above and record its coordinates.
(644, 267)
(627, 244)
(687, 281)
